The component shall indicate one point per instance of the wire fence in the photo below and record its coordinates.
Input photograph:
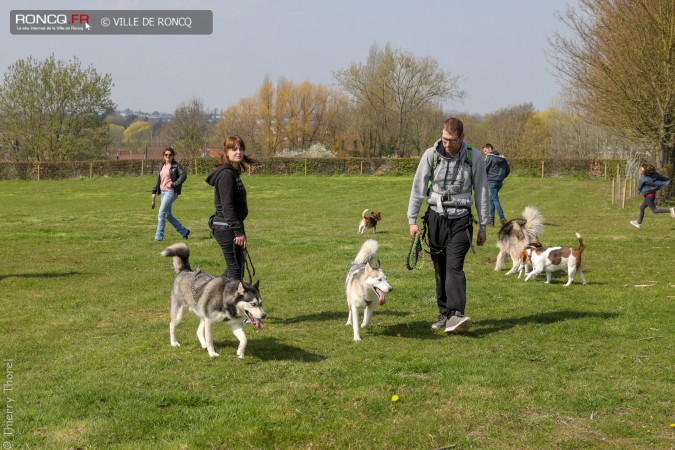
(622, 174)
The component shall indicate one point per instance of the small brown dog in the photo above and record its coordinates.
(369, 221)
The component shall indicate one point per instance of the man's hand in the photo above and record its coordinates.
(480, 240)
(414, 229)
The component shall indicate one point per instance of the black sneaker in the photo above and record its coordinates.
(440, 324)
(457, 324)
(186, 234)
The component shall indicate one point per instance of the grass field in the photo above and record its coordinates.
(87, 361)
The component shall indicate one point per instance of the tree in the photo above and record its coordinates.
(137, 135)
(619, 66)
(189, 126)
(393, 86)
(506, 128)
(289, 116)
(54, 110)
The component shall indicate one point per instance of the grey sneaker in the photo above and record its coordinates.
(441, 322)
(457, 324)
(635, 224)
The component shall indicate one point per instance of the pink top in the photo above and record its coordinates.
(165, 183)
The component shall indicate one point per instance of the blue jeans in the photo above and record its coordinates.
(495, 186)
(167, 199)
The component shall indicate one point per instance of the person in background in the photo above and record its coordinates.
(650, 181)
(169, 184)
(446, 175)
(497, 168)
(229, 198)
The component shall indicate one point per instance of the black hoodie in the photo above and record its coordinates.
(229, 197)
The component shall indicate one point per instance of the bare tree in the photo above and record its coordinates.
(391, 87)
(619, 65)
(289, 116)
(507, 126)
(188, 127)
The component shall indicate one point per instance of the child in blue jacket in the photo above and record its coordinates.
(650, 181)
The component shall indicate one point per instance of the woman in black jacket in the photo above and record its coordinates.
(229, 197)
(169, 183)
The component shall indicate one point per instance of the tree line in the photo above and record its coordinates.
(617, 68)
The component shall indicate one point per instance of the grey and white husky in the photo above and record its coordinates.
(212, 299)
(365, 285)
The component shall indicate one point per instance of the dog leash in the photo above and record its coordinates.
(417, 247)
(246, 266)
(414, 253)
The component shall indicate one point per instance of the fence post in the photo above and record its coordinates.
(618, 184)
(142, 166)
(91, 170)
(38, 171)
(605, 170)
(623, 201)
(542, 168)
(613, 194)
(361, 167)
(305, 166)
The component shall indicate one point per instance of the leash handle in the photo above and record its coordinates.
(413, 253)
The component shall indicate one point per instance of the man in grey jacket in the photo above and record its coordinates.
(447, 174)
(497, 168)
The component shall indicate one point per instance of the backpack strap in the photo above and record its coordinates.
(434, 163)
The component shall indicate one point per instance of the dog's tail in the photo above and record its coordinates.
(363, 214)
(581, 242)
(181, 256)
(535, 222)
(367, 253)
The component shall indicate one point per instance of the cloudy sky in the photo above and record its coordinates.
(497, 47)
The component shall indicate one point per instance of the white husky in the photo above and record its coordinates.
(366, 283)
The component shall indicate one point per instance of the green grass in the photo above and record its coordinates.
(84, 295)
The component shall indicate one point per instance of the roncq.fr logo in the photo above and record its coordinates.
(51, 19)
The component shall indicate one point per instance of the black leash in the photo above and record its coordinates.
(248, 267)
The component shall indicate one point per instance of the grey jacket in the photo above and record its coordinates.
(452, 176)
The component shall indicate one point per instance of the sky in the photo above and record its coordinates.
(497, 47)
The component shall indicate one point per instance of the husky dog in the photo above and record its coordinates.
(515, 234)
(212, 299)
(557, 258)
(369, 221)
(366, 283)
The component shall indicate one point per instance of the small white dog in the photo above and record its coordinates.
(365, 286)
(525, 264)
(557, 258)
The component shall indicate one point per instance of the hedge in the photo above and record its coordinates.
(549, 167)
